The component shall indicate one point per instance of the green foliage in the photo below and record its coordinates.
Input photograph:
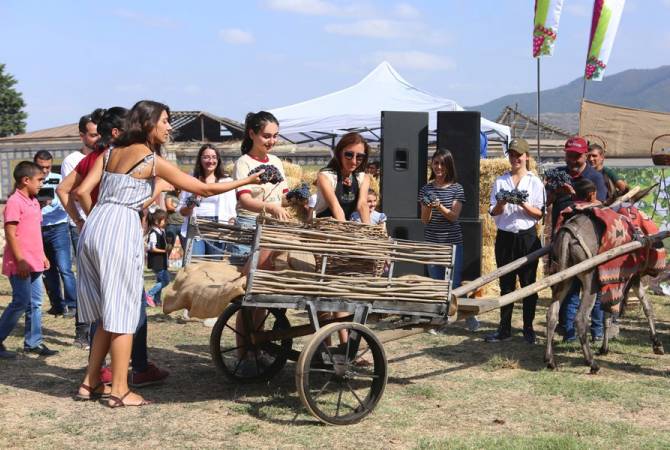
(657, 203)
(12, 116)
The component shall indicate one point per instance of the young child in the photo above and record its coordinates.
(376, 217)
(24, 261)
(585, 193)
(157, 259)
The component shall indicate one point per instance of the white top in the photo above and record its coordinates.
(221, 206)
(513, 218)
(70, 162)
(67, 166)
(267, 192)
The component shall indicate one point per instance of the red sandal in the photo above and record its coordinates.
(91, 393)
(117, 402)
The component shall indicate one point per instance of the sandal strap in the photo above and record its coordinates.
(89, 389)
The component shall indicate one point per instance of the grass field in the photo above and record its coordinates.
(448, 391)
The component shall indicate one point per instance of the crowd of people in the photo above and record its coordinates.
(121, 206)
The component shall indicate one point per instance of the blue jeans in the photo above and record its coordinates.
(57, 249)
(172, 232)
(162, 280)
(437, 272)
(568, 313)
(74, 238)
(26, 299)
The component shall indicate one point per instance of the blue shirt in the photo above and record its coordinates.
(54, 213)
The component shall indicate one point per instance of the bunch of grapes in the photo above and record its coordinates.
(542, 39)
(271, 174)
(429, 198)
(556, 178)
(299, 193)
(515, 196)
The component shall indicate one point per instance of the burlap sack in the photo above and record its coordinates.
(204, 289)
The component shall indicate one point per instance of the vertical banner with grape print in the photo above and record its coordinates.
(604, 25)
(545, 26)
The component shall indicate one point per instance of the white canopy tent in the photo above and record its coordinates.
(359, 107)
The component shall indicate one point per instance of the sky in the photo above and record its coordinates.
(232, 57)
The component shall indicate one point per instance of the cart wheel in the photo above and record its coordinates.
(232, 351)
(333, 381)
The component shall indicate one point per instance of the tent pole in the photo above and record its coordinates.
(539, 156)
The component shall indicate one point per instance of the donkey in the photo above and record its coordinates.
(576, 241)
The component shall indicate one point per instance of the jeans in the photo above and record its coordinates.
(57, 249)
(172, 231)
(26, 299)
(437, 272)
(74, 238)
(139, 359)
(162, 280)
(568, 313)
(243, 251)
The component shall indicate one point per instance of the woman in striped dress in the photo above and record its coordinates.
(111, 251)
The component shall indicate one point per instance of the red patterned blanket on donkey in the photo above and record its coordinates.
(617, 228)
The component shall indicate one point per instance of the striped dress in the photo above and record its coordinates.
(110, 255)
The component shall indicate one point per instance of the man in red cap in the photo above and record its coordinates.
(576, 151)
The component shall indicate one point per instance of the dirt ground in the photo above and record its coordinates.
(445, 391)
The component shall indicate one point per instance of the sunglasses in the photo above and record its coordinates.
(359, 156)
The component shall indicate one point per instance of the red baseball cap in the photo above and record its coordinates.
(577, 144)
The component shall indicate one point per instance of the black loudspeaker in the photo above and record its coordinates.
(411, 229)
(472, 248)
(458, 131)
(404, 153)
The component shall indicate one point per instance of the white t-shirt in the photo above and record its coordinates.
(513, 218)
(267, 192)
(221, 206)
(67, 166)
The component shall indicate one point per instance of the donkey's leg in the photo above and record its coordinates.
(604, 349)
(559, 292)
(648, 309)
(583, 319)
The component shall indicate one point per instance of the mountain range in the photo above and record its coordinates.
(634, 88)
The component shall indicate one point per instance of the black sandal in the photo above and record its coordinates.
(117, 402)
(91, 392)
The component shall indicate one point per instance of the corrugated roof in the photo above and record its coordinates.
(178, 119)
(63, 131)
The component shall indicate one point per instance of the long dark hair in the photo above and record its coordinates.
(255, 122)
(447, 160)
(141, 121)
(114, 117)
(94, 117)
(348, 139)
(219, 172)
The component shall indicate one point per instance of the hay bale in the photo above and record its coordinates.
(292, 170)
(204, 289)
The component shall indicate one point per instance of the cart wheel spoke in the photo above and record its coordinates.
(362, 376)
(323, 388)
(234, 330)
(357, 397)
(260, 327)
(332, 372)
(339, 402)
(230, 349)
(239, 362)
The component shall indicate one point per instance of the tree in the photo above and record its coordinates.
(12, 116)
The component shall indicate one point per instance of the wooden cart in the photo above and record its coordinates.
(341, 372)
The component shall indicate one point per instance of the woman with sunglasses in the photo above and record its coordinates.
(219, 208)
(340, 183)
